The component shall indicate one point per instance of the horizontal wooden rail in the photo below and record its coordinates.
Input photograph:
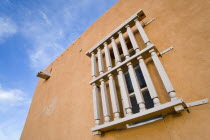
(140, 15)
(158, 110)
(144, 53)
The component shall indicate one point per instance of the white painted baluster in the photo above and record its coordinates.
(105, 102)
(136, 87)
(123, 45)
(93, 65)
(116, 51)
(112, 86)
(114, 98)
(96, 105)
(132, 74)
(122, 82)
(100, 61)
(107, 56)
(124, 92)
(163, 75)
(132, 39)
(144, 70)
(149, 82)
(142, 32)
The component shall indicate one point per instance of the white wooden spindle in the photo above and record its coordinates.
(93, 65)
(123, 45)
(142, 32)
(114, 98)
(105, 102)
(136, 87)
(149, 82)
(107, 56)
(116, 51)
(132, 39)
(100, 61)
(124, 92)
(163, 75)
(96, 105)
(112, 86)
(143, 67)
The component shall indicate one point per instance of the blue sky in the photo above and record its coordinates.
(32, 34)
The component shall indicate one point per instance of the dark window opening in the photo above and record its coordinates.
(135, 106)
(148, 100)
(146, 95)
(140, 77)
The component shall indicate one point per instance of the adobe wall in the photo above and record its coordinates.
(62, 106)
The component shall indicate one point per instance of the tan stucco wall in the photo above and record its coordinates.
(62, 106)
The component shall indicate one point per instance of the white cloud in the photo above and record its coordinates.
(8, 135)
(11, 95)
(11, 98)
(47, 42)
(45, 17)
(14, 105)
(50, 32)
(7, 28)
(48, 39)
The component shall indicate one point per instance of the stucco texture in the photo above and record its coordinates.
(62, 107)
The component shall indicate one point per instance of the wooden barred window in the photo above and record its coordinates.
(125, 84)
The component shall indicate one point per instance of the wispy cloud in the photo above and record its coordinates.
(49, 38)
(46, 43)
(10, 95)
(13, 105)
(11, 98)
(45, 17)
(52, 32)
(7, 28)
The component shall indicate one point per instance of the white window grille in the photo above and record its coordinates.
(109, 49)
